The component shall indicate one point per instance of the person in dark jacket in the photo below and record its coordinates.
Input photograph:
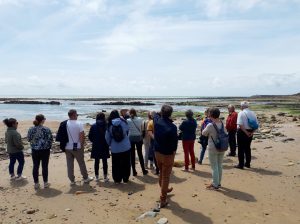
(14, 148)
(204, 139)
(100, 149)
(188, 129)
(165, 141)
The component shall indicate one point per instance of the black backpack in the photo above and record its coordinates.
(221, 143)
(117, 133)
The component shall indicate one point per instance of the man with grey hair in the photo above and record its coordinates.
(245, 134)
(231, 128)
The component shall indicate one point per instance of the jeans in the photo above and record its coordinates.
(39, 156)
(147, 145)
(216, 163)
(188, 148)
(139, 147)
(202, 153)
(244, 150)
(165, 165)
(79, 156)
(13, 157)
(232, 142)
(120, 166)
(96, 166)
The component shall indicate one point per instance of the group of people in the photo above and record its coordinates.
(123, 134)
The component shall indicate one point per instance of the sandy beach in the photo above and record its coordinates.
(269, 192)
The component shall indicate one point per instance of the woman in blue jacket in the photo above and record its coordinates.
(117, 138)
(100, 149)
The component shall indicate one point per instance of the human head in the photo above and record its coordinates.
(11, 122)
(39, 120)
(73, 114)
(100, 116)
(189, 114)
(244, 105)
(151, 115)
(132, 113)
(113, 115)
(206, 112)
(166, 111)
(231, 108)
(123, 112)
(214, 113)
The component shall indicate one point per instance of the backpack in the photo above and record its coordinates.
(221, 142)
(252, 123)
(117, 133)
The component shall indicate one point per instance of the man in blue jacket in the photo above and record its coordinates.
(165, 142)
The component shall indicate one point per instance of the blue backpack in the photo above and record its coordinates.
(221, 143)
(252, 123)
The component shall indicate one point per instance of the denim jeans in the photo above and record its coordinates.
(39, 156)
(202, 153)
(216, 163)
(13, 157)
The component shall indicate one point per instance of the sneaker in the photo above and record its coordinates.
(13, 177)
(46, 185)
(97, 179)
(238, 167)
(72, 183)
(106, 179)
(145, 172)
(21, 177)
(185, 170)
(87, 180)
(36, 186)
(151, 167)
(200, 162)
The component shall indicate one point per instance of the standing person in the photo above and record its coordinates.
(215, 156)
(100, 149)
(147, 141)
(247, 123)
(204, 139)
(165, 145)
(14, 148)
(40, 139)
(135, 124)
(71, 137)
(188, 129)
(150, 131)
(231, 128)
(124, 113)
(117, 138)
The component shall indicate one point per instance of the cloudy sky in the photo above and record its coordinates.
(149, 47)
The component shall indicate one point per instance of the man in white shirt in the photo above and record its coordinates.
(245, 135)
(75, 147)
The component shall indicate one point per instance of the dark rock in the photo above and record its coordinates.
(129, 103)
(30, 102)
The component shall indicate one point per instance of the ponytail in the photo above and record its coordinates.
(10, 122)
(38, 119)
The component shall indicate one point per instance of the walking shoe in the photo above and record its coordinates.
(151, 167)
(106, 179)
(145, 172)
(21, 177)
(185, 170)
(238, 167)
(170, 190)
(87, 180)
(248, 166)
(97, 179)
(134, 174)
(212, 187)
(231, 154)
(200, 162)
(46, 185)
(164, 204)
(36, 186)
(13, 177)
(73, 183)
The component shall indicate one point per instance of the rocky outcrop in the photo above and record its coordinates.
(30, 102)
(129, 103)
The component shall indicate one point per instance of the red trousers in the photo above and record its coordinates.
(188, 148)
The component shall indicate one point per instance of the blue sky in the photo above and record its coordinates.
(149, 47)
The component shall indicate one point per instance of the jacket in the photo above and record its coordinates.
(165, 135)
(124, 145)
(62, 135)
(13, 141)
(40, 138)
(100, 148)
(231, 122)
(188, 128)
